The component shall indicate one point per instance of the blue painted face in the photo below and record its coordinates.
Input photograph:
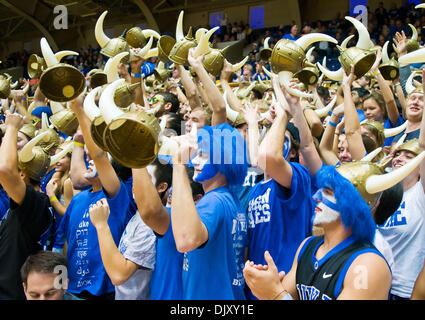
(286, 147)
(204, 170)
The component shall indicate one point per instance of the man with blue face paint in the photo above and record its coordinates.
(212, 233)
(341, 264)
(280, 206)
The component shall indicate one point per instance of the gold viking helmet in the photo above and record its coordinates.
(63, 119)
(97, 78)
(110, 47)
(359, 55)
(309, 75)
(389, 68)
(36, 65)
(213, 58)
(137, 38)
(5, 82)
(165, 44)
(180, 50)
(370, 180)
(60, 81)
(288, 57)
(98, 124)
(33, 159)
(29, 130)
(51, 140)
(412, 43)
(266, 52)
(411, 145)
(161, 73)
(130, 137)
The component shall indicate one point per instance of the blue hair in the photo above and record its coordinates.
(355, 213)
(227, 151)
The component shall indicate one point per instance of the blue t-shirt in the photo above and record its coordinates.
(86, 270)
(214, 270)
(243, 191)
(280, 219)
(166, 280)
(388, 125)
(4, 203)
(290, 37)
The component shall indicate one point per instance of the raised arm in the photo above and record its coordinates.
(78, 165)
(270, 157)
(214, 96)
(386, 91)
(422, 137)
(327, 142)
(10, 178)
(253, 137)
(232, 99)
(351, 120)
(119, 268)
(108, 178)
(148, 202)
(189, 87)
(188, 229)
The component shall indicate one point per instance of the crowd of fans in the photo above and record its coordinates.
(215, 192)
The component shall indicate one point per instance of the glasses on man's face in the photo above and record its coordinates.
(34, 121)
(157, 99)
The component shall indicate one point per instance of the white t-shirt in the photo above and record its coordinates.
(405, 233)
(137, 244)
(383, 247)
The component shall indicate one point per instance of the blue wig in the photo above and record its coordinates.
(355, 213)
(227, 151)
(40, 110)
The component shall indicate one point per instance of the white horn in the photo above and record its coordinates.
(400, 141)
(56, 106)
(101, 38)
(203, 45)
(266, 43)
(90, 108)
(230, 113)
(151, 53)
(414, 33)
(417, 56)
(364, 37)
(26, 152)
(385, 57)
(323, 112)
(107, 106)
(239, 65)
(111, 66)
(143, 53)
(60, 54)
(147, 33)
(306, 40)
(57, 157)
(47, 53)
(199, 34)
(409, 83)
(395, 131)
(333, 75)
(421, 5)
(378, 183)
(14, 85)
(179, 27)
(372, 155)
(308, 54)
(284, 78)
(346, 41)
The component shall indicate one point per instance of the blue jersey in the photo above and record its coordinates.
(243, 191)
(280, 219)
(166, 280)
(388, 125)
(214, 270)
(86, 270)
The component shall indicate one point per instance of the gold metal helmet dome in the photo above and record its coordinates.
(130, 137)
(180, 50)
(60, 81)
(51, 140)
(5, 82)
(110, 47)
(64, 119)
(411, 145)
(33, 159)
(389, 68)
(29, 130)
(137, 38)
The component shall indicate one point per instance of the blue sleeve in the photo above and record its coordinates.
(61, 231)
(211, 213)
(119, 204)
(300, 187)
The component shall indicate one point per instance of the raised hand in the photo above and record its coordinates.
(99, 213)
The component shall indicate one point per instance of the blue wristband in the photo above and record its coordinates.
(333, 124)
(136, 75)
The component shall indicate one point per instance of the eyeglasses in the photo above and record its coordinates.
(156, 99)
(34, 121)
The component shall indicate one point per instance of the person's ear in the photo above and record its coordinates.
(167, 106)
(25, 286)
(162, 187)
(197, 197)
